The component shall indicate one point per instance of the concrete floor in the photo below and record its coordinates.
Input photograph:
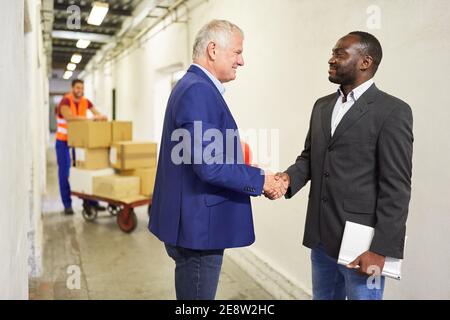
(112, 264)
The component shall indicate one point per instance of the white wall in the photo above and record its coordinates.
(22, 137)
(13, 189)
(287, 46)
(37, 95)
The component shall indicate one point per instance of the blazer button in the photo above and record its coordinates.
(326, 174)
(324, 199)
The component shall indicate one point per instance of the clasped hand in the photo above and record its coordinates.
(275, 186)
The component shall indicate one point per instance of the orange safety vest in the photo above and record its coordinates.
(61, 123)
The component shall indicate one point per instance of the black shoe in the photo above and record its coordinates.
(68, 211)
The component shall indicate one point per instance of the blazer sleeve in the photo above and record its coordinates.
(198, 112)
(395, 147)
(300, 172)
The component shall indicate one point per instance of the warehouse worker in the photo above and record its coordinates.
(73, 107)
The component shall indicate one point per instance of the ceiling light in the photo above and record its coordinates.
(67, 75)
(98, 13)
(71, 66)
(76, 58)
(83, 44)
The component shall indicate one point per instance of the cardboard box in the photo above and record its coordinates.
(81, 180)
(147, 176)
(121, 131)
(134, 199)
(92, 159)
(132, 155)
(89, 134)
(116, 187)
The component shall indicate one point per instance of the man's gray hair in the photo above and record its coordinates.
(218, 31)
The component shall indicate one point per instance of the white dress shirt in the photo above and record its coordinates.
(341, 107)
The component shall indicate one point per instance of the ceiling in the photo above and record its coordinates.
(63, 47)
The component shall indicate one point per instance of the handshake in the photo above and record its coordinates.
(275, 186)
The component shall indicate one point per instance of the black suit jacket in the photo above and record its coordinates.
(361, 174)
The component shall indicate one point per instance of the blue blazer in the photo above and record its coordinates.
(200, 205)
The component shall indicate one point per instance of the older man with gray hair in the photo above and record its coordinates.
(200, 208)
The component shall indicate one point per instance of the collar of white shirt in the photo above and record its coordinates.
(356, 93)
(216, 82)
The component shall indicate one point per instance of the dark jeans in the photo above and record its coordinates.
(63, 160)
(332, 281)
(196, 272)
(64, 164)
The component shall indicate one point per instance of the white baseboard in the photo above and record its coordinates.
(275, 283)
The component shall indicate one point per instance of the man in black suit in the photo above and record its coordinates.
(357, 155)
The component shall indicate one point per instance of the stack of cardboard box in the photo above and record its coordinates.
(101, 147)
(136, 159)
(91, 141)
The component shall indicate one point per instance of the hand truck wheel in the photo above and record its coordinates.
(89, 213)
(127, 224)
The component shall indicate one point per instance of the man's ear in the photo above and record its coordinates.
(211, 50)
(366, 62)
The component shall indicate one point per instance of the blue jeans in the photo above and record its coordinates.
(196, 272)
(332, 281)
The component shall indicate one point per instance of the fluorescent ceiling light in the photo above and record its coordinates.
(67, 75)
(72, 35)
(76, 58)
(98, 13)
(71, 66)
(83, 44)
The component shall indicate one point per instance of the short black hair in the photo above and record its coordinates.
(75, 81)
(370, 46)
